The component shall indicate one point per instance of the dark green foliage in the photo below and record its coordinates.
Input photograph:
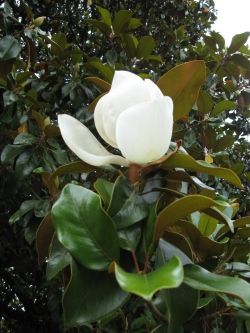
(61, 64)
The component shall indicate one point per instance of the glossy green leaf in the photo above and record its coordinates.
(207, 224)
(165, 251)
(126, 206)
(223, 106)
(106, 15)
(74, 167)
(10, 152)
(84, 228)
(130, 43)
(238, 41)
(9, 48)
(104, 188)
(90, 296)
(145, 47)
(223, 143)
(59, 258)
(178, 210)
(25, 207)
(121, 20)
(25, 139)
(204, 102)
(44, 236)
(185, 161)
(240, 59)
(182, 83)
(129, 237)
(167, 276)
(102, 26)
(239, 223)
(103, 85)
(182, 303)
(201, 279)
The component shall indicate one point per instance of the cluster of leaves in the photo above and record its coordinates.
(118, 274)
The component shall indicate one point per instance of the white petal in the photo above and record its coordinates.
(155, 92)
(124, 77)
(144, 131)
(84, 144)
(127, 90)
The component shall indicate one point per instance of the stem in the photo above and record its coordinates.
(134, 173)
(135, 262)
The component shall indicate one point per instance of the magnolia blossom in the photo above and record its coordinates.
(133, 116)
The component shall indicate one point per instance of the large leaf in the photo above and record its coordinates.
(178, 210)
(84, 228)
(9, 48)
(185, 161)
(167, 276)
(145, 47)
(90, 296)
(223, 106)
(182, 303)
(182, 83)
(126, 206)
(238, 41)
(201, 279)
(59, 258)
(103, 85)
(121, 20)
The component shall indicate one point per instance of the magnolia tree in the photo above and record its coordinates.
(138, 225)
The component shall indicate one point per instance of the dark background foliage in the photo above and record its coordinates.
(44, 73)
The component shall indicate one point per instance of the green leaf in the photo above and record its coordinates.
(106, 15)
(204, 102)
(129, 237)
(25, 139)
(103, 27)
(121, 20)
(165, 251)
(74, 167)
(90, 296)
(126, 206)
(223, 143)
(182, 83)
(106, 71)
(105, 86)
(185, 161)
(104, 188)
(145, 47)
(207, 224)
(44, 236)
(59, 258)
(130, 44)
(84, 228)
(178, 210)
(9, 48)
(238, 41)
(223, 106)
(201, 279)
(182, 303)
(239, 59)
(25, 207)
(167, 276)
(10, 152)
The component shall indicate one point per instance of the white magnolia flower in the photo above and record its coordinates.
(133, 116)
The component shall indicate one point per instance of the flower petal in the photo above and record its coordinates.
(84, 144)
(127, 90)
(154, 90)
(144, 131)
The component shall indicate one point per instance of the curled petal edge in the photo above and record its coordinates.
(84, 144)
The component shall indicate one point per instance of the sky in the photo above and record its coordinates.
(233, 18)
